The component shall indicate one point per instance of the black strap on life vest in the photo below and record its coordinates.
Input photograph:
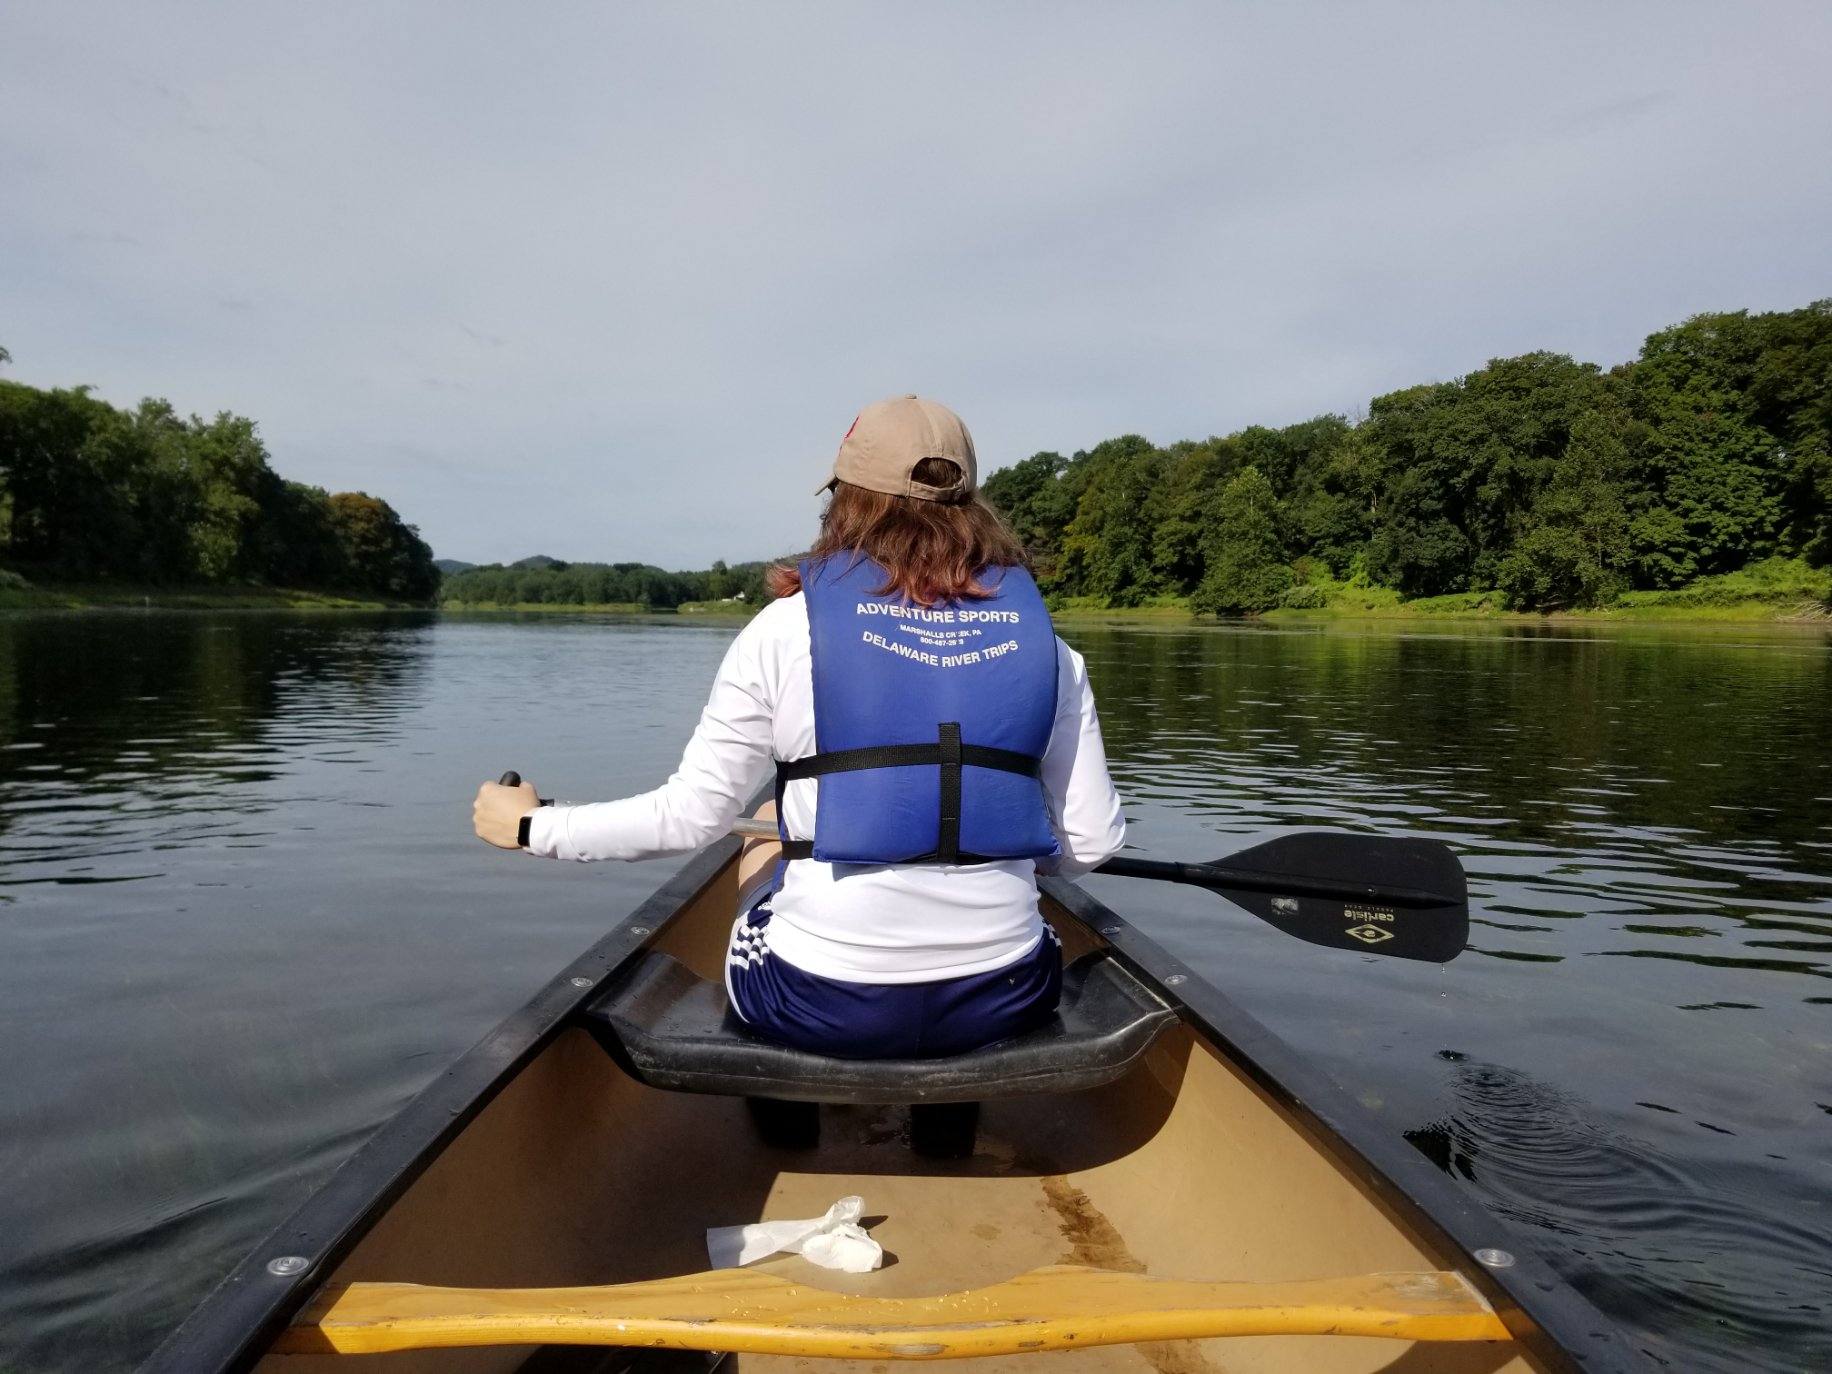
(947, 753)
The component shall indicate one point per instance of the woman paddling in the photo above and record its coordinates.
(935, 747)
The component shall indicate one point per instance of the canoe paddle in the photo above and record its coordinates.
(1407, 898)
(1374, 894)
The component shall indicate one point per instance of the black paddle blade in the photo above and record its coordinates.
(1402, 897)
(1407, 898)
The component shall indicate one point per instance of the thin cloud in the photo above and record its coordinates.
(610, 282)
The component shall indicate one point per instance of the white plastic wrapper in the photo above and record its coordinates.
(834, 1241)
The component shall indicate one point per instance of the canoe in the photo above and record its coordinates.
(1154, 1182)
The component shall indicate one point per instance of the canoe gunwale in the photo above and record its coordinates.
(1542, 1311)
(232, 1327)
(234, 1324)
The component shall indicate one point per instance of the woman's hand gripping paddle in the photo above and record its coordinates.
(497, 812)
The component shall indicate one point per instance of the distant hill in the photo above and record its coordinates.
(451, 567)
(555, 582)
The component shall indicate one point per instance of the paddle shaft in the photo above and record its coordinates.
(1313, 886)
(1216, 876)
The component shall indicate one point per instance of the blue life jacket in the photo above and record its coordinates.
(929, 722)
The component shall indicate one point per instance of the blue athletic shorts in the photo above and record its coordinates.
(848, 1020)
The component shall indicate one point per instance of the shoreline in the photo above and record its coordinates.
(90, 596)
(1794, 612)
(83, 596)
(1804, 615)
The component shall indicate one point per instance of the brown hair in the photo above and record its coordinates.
(931, 550)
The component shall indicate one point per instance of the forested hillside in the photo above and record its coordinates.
(1551, 481)
(92, 493)
(1548, 482)
(555, 582)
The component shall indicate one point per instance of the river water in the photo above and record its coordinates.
(242, 920)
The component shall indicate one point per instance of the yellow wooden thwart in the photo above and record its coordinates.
(1058, 1308)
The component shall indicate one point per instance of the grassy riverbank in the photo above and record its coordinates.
(1776, 591)
(19, 595)
(1471, 607)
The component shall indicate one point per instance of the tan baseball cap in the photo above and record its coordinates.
(888, 440)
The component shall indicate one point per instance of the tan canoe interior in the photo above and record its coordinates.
(577, 1174)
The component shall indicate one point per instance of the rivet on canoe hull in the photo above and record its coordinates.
(1111, 930)
(580, 982)
(639, 930)
(285, 1266)
(1175, 979)
(1495, 1259)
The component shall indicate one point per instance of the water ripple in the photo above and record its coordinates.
(1643, 820)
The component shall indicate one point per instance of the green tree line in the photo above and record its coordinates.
(91, 492)
(1550, 481)
(560, 583)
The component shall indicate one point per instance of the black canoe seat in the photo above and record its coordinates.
(670, 1028)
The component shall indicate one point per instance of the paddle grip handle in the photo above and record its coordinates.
(514, 779)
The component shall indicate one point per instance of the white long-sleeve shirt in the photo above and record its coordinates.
(864, 923)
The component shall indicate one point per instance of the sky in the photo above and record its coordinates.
(609, 281)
